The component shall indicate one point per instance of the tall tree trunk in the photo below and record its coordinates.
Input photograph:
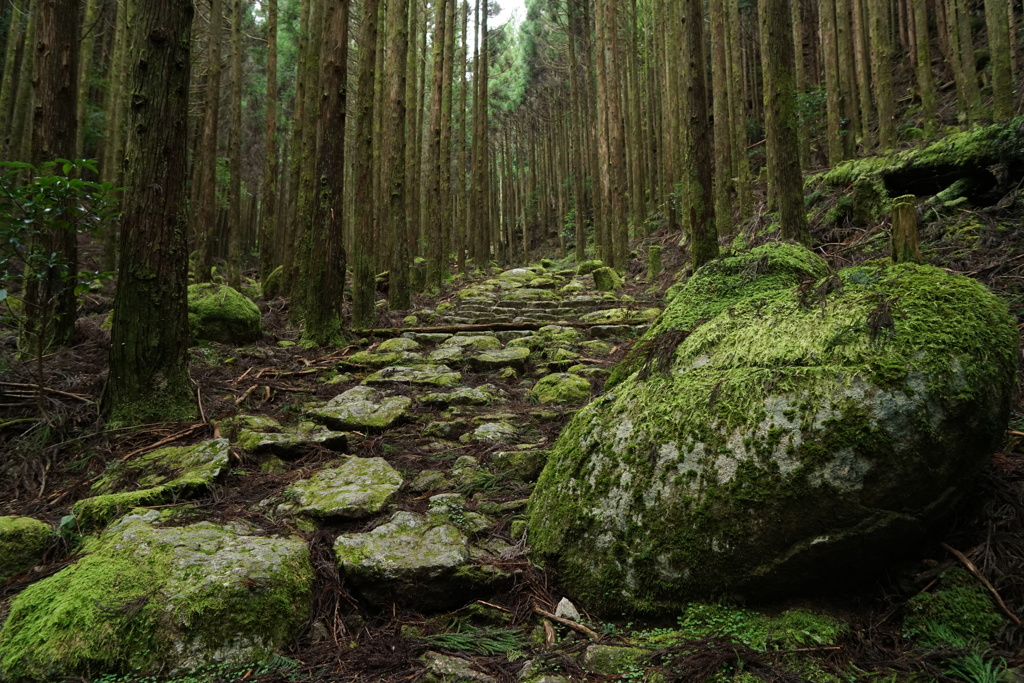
(723, 124)
(363, 285)
(326, 267)
(234, 264)
(148, 378)
(435, 224)
(997, 22)
(14, 53)
(50, 301)
(206, 228)
(833, 92)
(738, 117)
(925, 80)
(781, 120)
(881, 55)
(393, 172)
(90, 28)
(269, 258)
(701, 220)
(15, 146)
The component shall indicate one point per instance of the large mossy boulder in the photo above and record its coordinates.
(218, 313)
(152, 596)
(779, 428)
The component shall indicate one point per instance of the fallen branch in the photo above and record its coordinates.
(568, 622)
(35, 387)
(164, 442)
(983, 581)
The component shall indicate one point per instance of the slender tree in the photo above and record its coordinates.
(363, 286)
(269, 259)
(781, 120)
(148, 378)
(701, 218)
(326, 267)
(394, 159)
(207, 213)
(50, 301)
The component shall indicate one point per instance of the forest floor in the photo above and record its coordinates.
(50, 463)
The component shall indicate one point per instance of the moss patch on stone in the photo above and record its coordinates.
(561, 388)
(22, 543)
(219, 313)
(357, 488)
(848, 409)
(151, 479)
(148, 598)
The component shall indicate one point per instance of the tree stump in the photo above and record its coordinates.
(903, 240)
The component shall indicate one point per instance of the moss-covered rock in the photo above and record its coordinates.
(272, 283)
(607, 280)
(398, 344)
(357, 488)
(588, 267)
(166, 474)
(483, 395)
(561, 388)
(512, 357)
(424, 375)
(218, 313)
(260, 434)
(498, 432)
(772, 435)
(22, 543)
(416, 560)
(362, 409)
(149, 598)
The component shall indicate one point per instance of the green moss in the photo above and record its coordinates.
(958, 614)
(561, 389)
(219, 313)
(607, 280)
(137, 602)
(588, 267)
(759, 414)
(152, 479)
(22, 543)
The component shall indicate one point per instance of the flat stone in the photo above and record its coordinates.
(561, 388)
(362, 409)
(425, 375)
(452, 355)
(512, 357)
(612, 331)
(476, 342)
(416, 560)
(398, 344)
(442, 668)
(492, 431)
(427, 337)
(260, 434)
(483, 395)
(357, 488)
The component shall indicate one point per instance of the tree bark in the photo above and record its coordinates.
(363, 284)
(148, 378)
(781, 120)
(205, 230)
(269, 258)
(703, 234)
(326, 267)
(50, 302)
(393, 173)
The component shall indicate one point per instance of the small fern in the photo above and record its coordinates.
(487, 642)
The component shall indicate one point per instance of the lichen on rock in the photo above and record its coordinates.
(777, 422)
(561, 388)
(357, 488)
(363, 409)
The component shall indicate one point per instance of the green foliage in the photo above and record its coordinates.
(960, 614)
(35, 201)
(481, 641)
